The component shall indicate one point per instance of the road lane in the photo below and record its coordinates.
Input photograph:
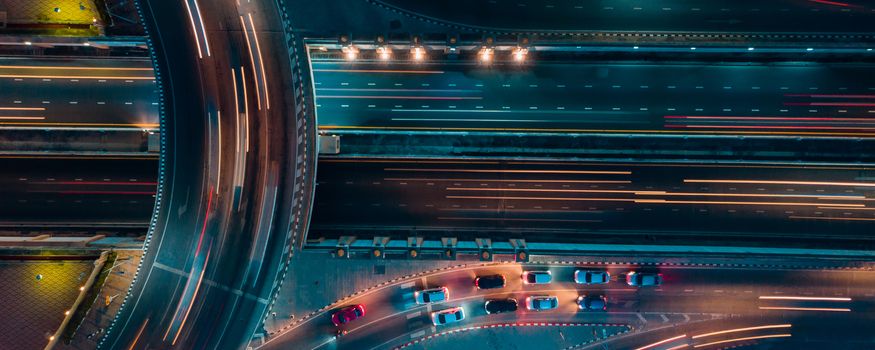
(805, 16)
(600, 97)
(571, 201)
(689, 293)
(80, 92)
(83, 192)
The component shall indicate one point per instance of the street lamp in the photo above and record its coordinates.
(418, 53)
(486, 54)
(519, 54)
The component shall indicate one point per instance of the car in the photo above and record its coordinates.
(643, 279)
(497, 306)
(490, 281)
(348, 314)
(592, 302)
(542, 302)
(448, 316)
(592, 276)
(537, 277)
(432, 295)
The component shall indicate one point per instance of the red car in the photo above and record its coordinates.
(348, 314)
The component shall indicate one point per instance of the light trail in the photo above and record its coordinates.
(394, 71)
(451, 98)
(662, 193)
(400, 90)
(613, 131)
(509, 180)
(769, 118)
(203, 28)
(236, 109)
(111, 183)
(780, 297)
(107, 77)
(251, 59)
(511, 219)
(785, 335)
(189, 283)
(773, 326)
(831, 96)
(771, 127)
(125, 193)
(21, 118)
(245, 133)
(662, 342)
(570, 199)
(140, 126)
(79, 68)
(193, 32)
(782, 182)
(828, 309)
(139, 334)
(833, 3)
(834, 208)
(260, 62)
(415, 161)
(830, 218)
(22, 108)
(804, 204)
(831, 104)
(513, 171)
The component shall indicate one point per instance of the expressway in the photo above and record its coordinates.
(707, 296)
(220, 234)
(808, 99)
(784, 16)
(585, 201)
(75, 122)
(78, 92)
(83, 192)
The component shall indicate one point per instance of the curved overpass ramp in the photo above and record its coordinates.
(234, 177)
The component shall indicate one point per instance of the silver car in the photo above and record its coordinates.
(592, 276)
(433, 295)
(542, 302)
(448, 316)
(537, 277)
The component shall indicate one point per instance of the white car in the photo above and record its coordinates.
(643, 279)
(542, 302)
(448, 316)
(433, 295)
(592, 276)
(537, 277)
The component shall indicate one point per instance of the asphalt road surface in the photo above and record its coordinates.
(77, 191)
(78, 92)
(599, 97)
(219, 243)
(572, 201)
(782, 16)
(791, 301)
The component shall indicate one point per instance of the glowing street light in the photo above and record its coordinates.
(486, 54)
(350, 52)
(520, 53)
(418, 53)
(384, 53)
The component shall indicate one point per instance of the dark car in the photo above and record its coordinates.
(497, 306)
(490, 282)
(592, 302)
(348, 314)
